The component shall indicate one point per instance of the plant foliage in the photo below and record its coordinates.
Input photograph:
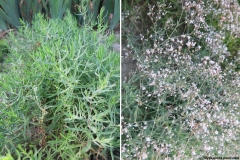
(182, 100)
(60, 92)
(11, 11)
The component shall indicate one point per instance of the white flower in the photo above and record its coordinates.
(144, 156)
(193, 152)
(148, 139)
(189, 44)
(212, 62)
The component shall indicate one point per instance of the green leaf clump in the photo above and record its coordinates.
(60, 93)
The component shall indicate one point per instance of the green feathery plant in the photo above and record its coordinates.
(60, 92)
(3, 49)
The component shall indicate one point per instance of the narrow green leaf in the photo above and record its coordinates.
(116, 14)
(95, 8)
(58, 8)
(86, 148)
(3, 24)
(10, 12)
(109, 5)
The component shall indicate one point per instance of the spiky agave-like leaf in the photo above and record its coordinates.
(9, 11)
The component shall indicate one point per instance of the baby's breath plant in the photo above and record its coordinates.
(59, 92)
(182, 101)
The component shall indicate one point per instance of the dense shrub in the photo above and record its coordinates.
(182, 102)
(60, 92)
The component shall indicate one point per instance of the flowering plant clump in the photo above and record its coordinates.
(182, 102)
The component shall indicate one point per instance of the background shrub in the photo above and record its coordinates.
(12, 11)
